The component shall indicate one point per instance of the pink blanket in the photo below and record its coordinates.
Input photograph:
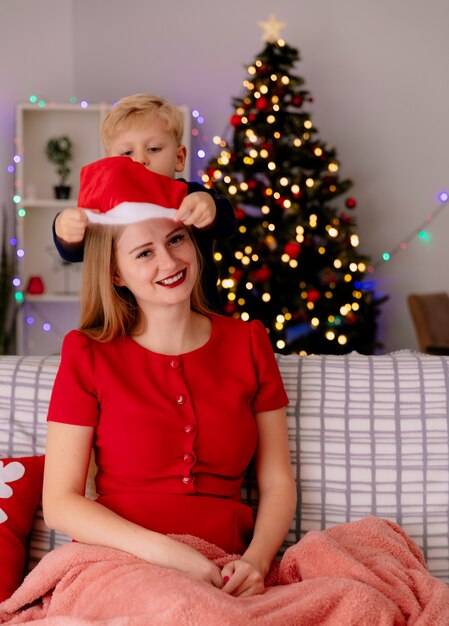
(365, 572)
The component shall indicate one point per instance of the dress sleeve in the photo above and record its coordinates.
(74, 396)
(270, 393)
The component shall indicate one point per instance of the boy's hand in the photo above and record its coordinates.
(197, 209)
(70, 225)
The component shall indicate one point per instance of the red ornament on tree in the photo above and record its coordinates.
(346, 219)
(351, 203)
(230, 308)
(297, 101)
(261, 104)
(240, 214)
(235, 120)
(264, 273)
(313, 295)
(292, 249)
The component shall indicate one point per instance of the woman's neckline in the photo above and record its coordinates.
(212, 317)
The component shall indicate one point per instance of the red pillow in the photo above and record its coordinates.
(20, 493)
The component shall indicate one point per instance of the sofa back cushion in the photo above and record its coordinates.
(369, 435)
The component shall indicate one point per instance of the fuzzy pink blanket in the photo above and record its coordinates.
(365, 572)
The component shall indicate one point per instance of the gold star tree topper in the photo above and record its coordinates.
(272, 29)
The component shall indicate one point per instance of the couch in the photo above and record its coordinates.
(369, 435)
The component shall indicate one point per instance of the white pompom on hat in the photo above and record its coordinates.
(125, 192)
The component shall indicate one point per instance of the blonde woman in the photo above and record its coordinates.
(175, 401)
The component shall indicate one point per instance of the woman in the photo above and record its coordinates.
(174, 400)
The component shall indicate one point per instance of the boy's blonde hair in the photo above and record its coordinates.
(108, 311)
(140, 107)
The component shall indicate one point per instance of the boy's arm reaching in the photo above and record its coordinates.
(225, 222)
(70, 251)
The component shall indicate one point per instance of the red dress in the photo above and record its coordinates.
(173, 434)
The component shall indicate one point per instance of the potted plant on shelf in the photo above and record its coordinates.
(59, 152)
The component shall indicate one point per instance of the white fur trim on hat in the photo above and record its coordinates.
(129, 213)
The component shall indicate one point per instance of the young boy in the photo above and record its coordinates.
(149, 130)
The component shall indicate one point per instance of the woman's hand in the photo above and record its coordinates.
(188, 560)
(242, 579)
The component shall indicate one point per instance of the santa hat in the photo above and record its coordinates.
(125, 192)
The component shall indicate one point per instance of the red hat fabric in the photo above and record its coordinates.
(124, 192)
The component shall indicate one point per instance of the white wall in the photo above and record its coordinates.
(377, 71)
(36, 57)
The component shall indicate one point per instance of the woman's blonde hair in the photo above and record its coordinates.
(109, 311)
(140, 107)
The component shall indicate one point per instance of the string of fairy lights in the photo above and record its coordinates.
(38, 316)
(419, 232)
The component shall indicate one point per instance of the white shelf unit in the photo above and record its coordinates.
(35, 177)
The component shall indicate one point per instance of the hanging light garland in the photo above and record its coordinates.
(31, 319)
(420, 231)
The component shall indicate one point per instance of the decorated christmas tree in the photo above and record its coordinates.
(294, 263)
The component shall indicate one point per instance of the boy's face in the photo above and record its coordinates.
(150, 143)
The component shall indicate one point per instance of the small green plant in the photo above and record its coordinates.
(59, 152)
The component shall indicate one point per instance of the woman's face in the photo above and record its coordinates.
(156, 260)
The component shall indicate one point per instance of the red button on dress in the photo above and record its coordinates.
(188, 458)
(189, 428)
(175, 363)
(180, 399)
(187, 480)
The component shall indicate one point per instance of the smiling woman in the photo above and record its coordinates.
(163, 262)
(174, 400)
(152, 263)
